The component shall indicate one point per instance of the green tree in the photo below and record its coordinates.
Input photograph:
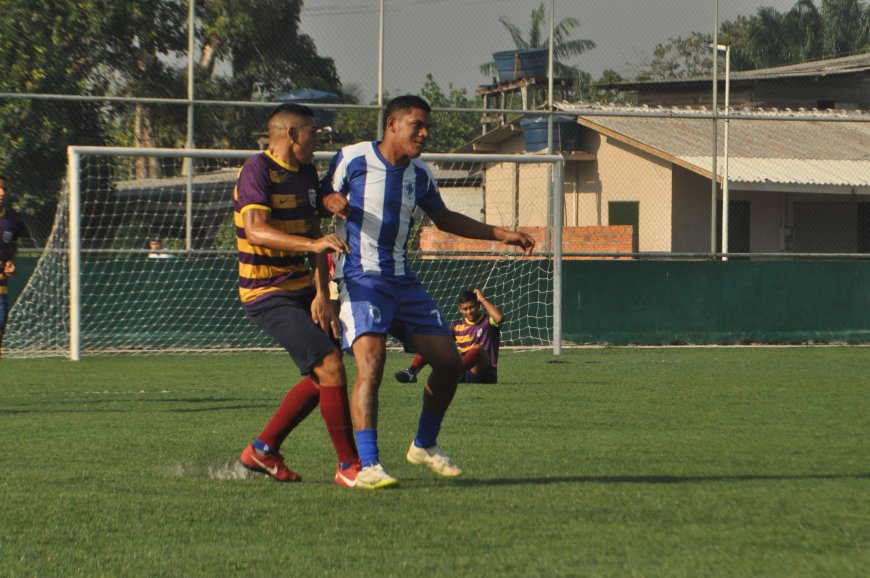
(682, 57)
(769, 38)
(451, 130)
(563, 46)
(48, 46)
(136, 48)
(263, 53)
(138, 38)
(805, 32)
(845, 26)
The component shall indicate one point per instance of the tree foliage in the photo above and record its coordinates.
(769, 38)
(48, 44)
(450, 130)
(251, 49)
(682, 57)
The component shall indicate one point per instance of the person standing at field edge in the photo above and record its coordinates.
(375, 187)
(10, 229)
(277, 226)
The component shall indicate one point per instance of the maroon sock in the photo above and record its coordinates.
(298, 403)
(469, 360)
(335, 410)
(418, 363)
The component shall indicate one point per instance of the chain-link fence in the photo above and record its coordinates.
(632, 88)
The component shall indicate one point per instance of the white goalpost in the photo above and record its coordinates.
(142, 263)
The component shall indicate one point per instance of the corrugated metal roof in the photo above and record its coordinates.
(838, 173)
(800, 149)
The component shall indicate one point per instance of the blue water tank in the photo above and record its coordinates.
(565, 132)
(322, 117)
(523, 63)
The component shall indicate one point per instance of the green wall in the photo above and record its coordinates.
(610, 302)
(707, 302)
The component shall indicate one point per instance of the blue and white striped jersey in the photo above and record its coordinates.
(382, 200)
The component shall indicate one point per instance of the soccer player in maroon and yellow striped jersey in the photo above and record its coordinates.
(477, 335)
(278, 234)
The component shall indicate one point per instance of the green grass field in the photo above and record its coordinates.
(602, 462)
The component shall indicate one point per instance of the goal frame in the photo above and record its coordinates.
(75, 154)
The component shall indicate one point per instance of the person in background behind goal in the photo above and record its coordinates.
(156, 251)
(375, 187)
(277, 226)
(477, 335)
(10, 229)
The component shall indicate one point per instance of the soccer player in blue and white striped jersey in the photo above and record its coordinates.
(375, 187)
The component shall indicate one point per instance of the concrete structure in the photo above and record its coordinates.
(799, 183)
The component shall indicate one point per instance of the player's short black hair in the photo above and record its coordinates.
(405, 102)
(466, 296)
(292, 108)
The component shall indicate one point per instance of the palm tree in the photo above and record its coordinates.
(805, 32)
(563, 47)
(845, 26)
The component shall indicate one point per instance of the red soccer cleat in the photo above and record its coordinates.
(271, 464)
(347, 477)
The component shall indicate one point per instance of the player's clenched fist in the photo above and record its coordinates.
(519, 239)
(336, 203)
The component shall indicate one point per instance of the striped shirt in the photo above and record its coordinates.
(10, 228)
(484, 333)
(382, 199)
(289, 194)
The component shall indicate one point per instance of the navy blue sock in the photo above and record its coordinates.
(262, 448)
(367, 443)
(427, 429)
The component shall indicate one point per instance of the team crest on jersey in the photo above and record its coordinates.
(276, 177)
(480, 332)
(409, 189)
(312, 197)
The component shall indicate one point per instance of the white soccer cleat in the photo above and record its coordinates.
(374, 478)
(435, 460)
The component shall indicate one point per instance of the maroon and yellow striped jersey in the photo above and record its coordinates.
(290, 195)
(10, 228)
(484, 332)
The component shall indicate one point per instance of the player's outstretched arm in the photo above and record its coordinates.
(259, 232)
(458, 224)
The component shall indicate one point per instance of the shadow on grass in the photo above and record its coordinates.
(655, 479)
(191, 408)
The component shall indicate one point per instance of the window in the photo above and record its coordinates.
(738, 227)
(625, 213)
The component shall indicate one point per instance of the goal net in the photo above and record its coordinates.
(142, 256)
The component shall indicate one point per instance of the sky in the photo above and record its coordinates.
(451, 38)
